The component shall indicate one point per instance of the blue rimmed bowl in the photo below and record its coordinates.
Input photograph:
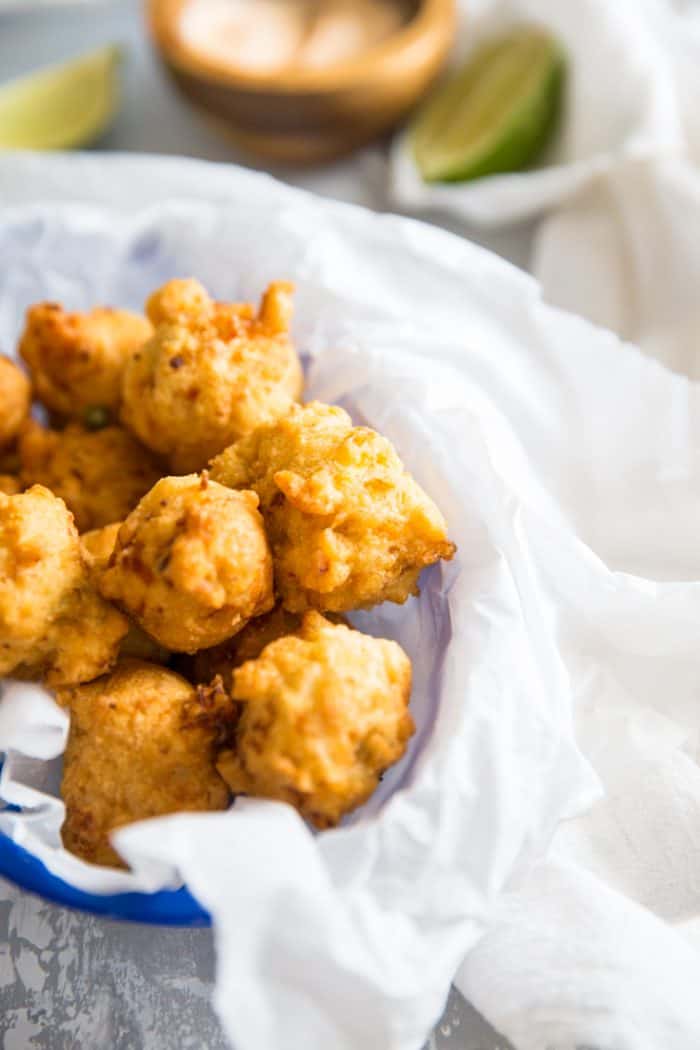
(165, 908)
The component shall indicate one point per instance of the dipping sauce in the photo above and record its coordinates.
(274, 36)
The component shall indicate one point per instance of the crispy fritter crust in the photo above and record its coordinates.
(84, 642)
(348, 525)
(324, 714)
(211, 373)
(76, 360)
(138, 747)
(15, 398)
(9, 460)
(223, 659)
(98, 546)
(101, 475)
(192, 564)
(9, 484)
(53, 624)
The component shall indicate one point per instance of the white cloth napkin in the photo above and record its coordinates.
(571, 958)
(619, 191)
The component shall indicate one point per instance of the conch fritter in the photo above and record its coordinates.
(53, 624)
(76, 360)
(324, 712)
(101, 475)
(98, 545)
(192, 564)
(223, 659)
(15, 397)
(348, 525)
(141, 744)
(10, 484)
(211, 373)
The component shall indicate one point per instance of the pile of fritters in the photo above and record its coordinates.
(180, 537)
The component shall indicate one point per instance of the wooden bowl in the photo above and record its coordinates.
(307, 116)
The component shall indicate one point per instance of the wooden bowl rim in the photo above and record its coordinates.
(434, 18)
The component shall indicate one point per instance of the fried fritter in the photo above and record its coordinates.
(211, 373)
(222, 659)
(141, 744)
(53, 624)
(324, 714)
(15, 398)
(85, 641)
(192, 564)
(348, 525)
(9, 484)
(40, 563)
(98, 545)
(101, 474)
(9, 460)
(76, 360)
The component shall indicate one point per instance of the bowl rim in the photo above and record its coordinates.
(434, 22)
(163, 908)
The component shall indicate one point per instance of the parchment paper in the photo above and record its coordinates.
(565, 463)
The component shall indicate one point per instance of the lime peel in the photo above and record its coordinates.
(62, 106)
(494, 115)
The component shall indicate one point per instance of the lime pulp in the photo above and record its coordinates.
(63, 106)
(495, 114)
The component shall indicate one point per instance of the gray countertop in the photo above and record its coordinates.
(70, 981)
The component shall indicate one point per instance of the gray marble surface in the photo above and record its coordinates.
(70, 981)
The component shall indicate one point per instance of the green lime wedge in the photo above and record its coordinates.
(495, 114)
(63, 106)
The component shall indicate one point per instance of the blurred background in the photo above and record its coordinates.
(151, 115)
(198, 78)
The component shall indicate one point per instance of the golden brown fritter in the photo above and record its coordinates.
(15, 398)
(76, 360)
(184, 299)
(192, 564)
(100, 474)
(211, 373)
(138, 747)
(53, 624)
(324, 714)
(39, 563)
(9, 484)
(9, 460)
(348, 525)
(84, 642)
(98, 545)
(222, 659)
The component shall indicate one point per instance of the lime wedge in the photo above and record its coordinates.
(495, 114)
(63, 106)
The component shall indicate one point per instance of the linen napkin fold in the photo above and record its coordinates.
(547, 976)
(572, 958)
